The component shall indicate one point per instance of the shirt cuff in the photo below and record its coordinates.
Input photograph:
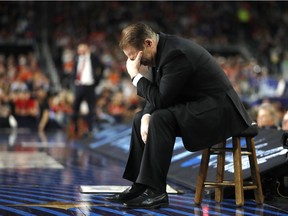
(147, 114)
(136, 79)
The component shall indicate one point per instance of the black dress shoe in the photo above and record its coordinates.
(130, 193)
(149, 199)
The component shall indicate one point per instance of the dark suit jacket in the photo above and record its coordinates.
(97, 68)
(188, 81)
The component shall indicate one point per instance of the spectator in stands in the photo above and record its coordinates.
(7, 120)
(285, 121)
(61, 107)
(26, 108)
(117, 107)
(41, 95)
(24, 71)
(267, 116)
(68, 65)
(88, 72)
(11, 68)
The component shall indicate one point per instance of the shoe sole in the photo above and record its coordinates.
(160, 205)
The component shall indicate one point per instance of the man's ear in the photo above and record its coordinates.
(148, 42)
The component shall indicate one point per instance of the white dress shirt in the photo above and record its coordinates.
(85, 68)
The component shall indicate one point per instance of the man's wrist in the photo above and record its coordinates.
(145, 117)
(136, 78)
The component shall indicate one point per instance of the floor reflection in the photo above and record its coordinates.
(40, 174)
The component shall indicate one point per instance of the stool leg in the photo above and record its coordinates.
(220, 173)
(259, 198)
(202, 176)
(238, 178)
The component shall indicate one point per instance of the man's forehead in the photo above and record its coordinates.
(129, 50)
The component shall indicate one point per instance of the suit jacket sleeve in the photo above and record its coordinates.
(75, 67)
(148, 108)
(166, 91)
(98, 68)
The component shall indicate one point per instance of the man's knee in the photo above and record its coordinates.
(162, 116)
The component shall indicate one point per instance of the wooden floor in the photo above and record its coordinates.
(42, 174)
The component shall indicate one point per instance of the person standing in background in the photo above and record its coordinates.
(88, 71)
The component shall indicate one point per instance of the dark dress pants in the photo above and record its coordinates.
(84, 93)
(149, 163)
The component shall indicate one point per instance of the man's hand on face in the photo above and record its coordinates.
(133, 66)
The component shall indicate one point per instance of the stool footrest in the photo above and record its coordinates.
(246, 185)
(221, 150)
(219, 184)
(250, 187)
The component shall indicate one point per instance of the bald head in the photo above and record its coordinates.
(135, 35)
(83, 49)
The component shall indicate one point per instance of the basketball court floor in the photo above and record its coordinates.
(51, 174)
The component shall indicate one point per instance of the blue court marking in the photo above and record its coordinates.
(220, 207)
(21, 198)
(49, 211)
(191, 200)
(112, 130)
(32, 207)
(200, 209)
(46, 191)
(253, 207)
(231, 205)
(191, 162)
(31, 200)
(107, 202)
(111, 210)
(53, 176)
(109, 138)
(176, 211)
(90, 213)
(181, 155)
(234, 210)
(280, 212)
(149, 212)
(16, 211)
(28, 192)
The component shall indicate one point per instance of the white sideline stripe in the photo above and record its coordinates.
(113, 189)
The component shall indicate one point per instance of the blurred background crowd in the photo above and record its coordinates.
(38, 43)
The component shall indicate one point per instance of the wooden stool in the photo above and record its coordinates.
(238, 183)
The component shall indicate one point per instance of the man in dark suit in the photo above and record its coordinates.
(87, 74)
(189, 96)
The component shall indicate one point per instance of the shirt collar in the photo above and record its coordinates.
(160, 46)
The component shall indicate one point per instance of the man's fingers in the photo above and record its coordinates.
(144, 137)
(139, 56)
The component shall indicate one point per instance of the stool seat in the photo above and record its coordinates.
(251, 131)
(238, 183)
